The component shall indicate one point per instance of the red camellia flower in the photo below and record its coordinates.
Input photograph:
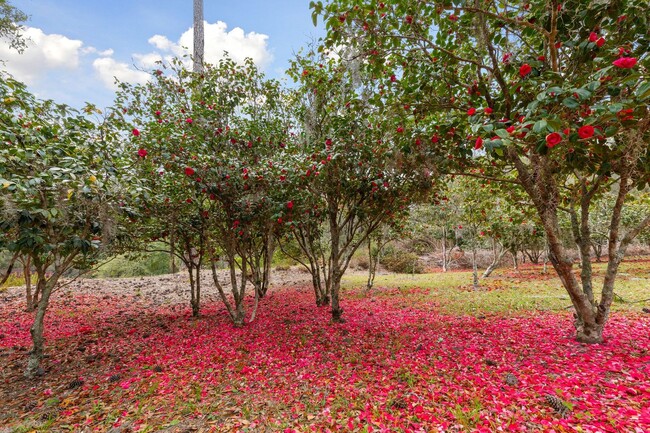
(600, 42)
(488, 110)
(593, 37)
(290, 204)
(400, 129)
(393, 78)
(188, 120)
(142, 153)
(135, 132)
(158, 113)
(553, 139)
(189, 171)
(524, 70)
(478, 144)
(471, 111)
(586, 131)
(625, 62)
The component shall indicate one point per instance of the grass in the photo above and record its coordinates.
(13, 280)
(510, 291)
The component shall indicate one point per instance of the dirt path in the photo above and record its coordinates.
(162, 289)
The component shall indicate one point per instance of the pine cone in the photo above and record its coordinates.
(558, 405)
(157, 369)
(75, 384)
(114, 378)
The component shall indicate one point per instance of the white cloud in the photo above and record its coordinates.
(238, 44)
(93, 50)
(218, 39)
(48, 53)
(108, 69)
(44, 52)
(148, 61)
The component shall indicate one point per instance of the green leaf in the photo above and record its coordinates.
(615, 108)
(582, 93)
(539, 126)
(643, 91)
(571, 102)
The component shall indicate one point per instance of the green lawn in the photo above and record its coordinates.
(508, 290)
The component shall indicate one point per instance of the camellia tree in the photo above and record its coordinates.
(358, 170)
(56, 189)
(204, 146)
(556, 91)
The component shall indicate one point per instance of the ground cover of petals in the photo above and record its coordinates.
(398, 364)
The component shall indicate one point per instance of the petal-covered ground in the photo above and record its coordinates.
(397, 365)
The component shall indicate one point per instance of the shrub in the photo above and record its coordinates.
(13, 280)
(135, 265)
(400, 261)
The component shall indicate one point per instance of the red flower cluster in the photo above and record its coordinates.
(586, 131)
(625, 62)
(553, 139)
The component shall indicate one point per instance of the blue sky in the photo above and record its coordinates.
(78, 45)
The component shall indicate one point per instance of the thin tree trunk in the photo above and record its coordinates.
(337, 311)
(495, 263)
(36, 330)
(199, 36)
(373, 260)
(10, 268)
(44, 287)
(27, 275)
(444, 250)
(475, 285)
(335, 265)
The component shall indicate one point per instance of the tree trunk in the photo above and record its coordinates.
(445, 268)
(195, 288)
(495, 262)
(31, 298)
(539, 183)
(36, 355)
(475, 285)
(199, 36)
(598, 250)
(337, 311)
(373, 260)
(335, 263)
(515, 260)
(10, 268)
